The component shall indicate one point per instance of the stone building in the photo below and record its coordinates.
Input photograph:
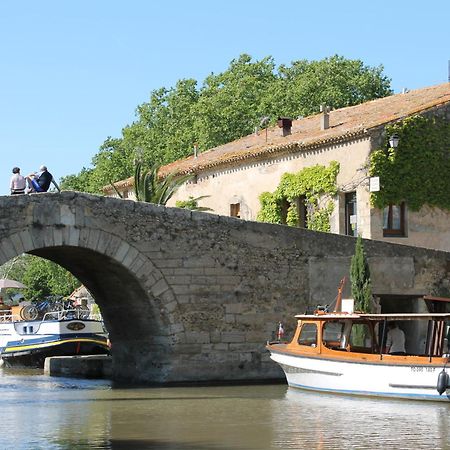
(235, 174)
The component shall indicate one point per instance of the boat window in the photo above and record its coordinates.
(308, 335)
(334, 335)
(361, 336)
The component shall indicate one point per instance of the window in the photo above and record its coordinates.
(308, 335)
(350, 214)
(361, 336)
(333, 334)
(394, 220)
(235, 210)
(300, 206)
(302, 211)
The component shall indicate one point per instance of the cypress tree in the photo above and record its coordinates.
(360, 279)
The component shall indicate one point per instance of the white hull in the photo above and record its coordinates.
(29, 342)
(360, 378)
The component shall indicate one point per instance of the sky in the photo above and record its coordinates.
(72, 72)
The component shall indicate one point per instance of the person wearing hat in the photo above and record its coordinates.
(40, 181)
(18, 182)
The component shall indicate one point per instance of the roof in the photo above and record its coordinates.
(345, 123)
(375, 317)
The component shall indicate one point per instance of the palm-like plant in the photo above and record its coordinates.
(148, 187)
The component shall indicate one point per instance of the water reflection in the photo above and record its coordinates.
(58, 413)
(319, 421)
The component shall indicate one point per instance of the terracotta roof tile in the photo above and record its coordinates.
(344, 124)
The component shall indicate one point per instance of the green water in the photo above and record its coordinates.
(39, 412)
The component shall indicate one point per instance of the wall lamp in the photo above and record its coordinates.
(393, 141)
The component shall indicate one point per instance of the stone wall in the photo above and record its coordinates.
(191, 297)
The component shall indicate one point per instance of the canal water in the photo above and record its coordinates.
(39, 412)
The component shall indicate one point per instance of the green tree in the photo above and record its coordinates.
(336, 81)
(164, 130)
(81, 182)
(232, 103)
(360, 279)
(41, 276)
(225, 107)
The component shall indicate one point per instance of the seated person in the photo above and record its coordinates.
(40, 181)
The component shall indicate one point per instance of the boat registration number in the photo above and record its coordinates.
(422, 369)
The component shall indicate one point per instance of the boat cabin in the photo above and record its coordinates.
(339, 334)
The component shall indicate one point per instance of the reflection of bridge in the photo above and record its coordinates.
(191, 296)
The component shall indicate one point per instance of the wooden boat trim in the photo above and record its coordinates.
(355, 358)
(374, 317)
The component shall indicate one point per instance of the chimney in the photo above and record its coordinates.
(286, 124)
(195, 150)
(325, 117)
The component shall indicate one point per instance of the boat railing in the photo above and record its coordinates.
(8, 317)
(68, 314)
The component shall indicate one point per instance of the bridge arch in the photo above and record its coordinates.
(189, 296)
(136, 302)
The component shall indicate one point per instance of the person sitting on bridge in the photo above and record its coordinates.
(40, 181)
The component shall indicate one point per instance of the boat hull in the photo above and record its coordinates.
(35, 357)
(382, 379)
(28, 343)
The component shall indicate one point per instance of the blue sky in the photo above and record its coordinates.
(73, 71)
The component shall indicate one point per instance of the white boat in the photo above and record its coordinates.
(345, 353)
(61, 333)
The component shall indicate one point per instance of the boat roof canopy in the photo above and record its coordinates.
(374, 317)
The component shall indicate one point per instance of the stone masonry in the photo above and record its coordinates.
(193, 297)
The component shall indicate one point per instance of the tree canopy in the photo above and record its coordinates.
(42, 277)
(225, 107)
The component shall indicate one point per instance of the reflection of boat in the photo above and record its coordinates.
(344, 353)
(28, 343)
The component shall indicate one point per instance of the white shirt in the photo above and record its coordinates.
(18, 182)
(395, 340)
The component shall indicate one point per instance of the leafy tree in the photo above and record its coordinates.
(225, 107)
(337, 82)
(148, 187)
(41, 276)
(232, 103)
(165, 126)
(81, 182)
(360, 279)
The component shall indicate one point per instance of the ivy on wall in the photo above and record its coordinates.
(312, 185)
(418, 170)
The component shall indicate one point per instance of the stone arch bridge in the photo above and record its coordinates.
(189, 296)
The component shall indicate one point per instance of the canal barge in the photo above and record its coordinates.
(346, 353)
(62, 333)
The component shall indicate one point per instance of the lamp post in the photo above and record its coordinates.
(393, 141)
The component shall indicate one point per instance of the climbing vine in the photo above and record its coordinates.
(314, 185)
(417, 171)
